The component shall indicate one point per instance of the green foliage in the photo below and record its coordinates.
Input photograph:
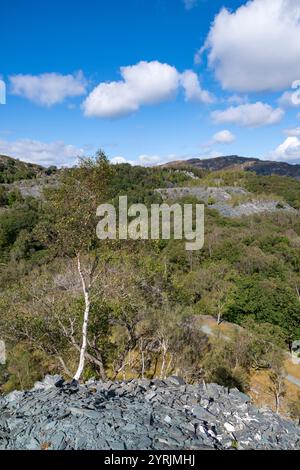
(25, 366)
(146, 295)
(294, 408)
(14, 197)
(211, 201)
(3, 197)
(138, 180)
(72, 205)
(255, 346)
(285, 187)
(22, 216)
(223, 365)
(12, 170)
(267, 300)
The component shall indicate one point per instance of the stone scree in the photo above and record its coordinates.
(140, 414)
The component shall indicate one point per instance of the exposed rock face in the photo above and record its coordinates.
(34, 187)
(203, 193)
(140, 414)
(251, 208)
(219, 199)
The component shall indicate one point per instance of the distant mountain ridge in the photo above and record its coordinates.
(12, 169)
(260, 167)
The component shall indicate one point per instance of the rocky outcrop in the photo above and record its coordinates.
(220, 198)
(33, 188)
(251, 208)
(139, 414)
(203, 193)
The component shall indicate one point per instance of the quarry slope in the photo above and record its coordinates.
(140, 414)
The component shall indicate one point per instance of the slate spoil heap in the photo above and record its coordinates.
(139, 414)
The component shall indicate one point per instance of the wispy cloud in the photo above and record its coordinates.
(293, 132)
(249, 115)
(287, 100)
(190, 4)
(55, 153)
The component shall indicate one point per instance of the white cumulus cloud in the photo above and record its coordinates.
(118, 160)
(256, 47)
(223, 137)
(288, 151)
(49, 88)
(144, 83)
(148, 159)
(249, 115)
(193, 89)
(54, 153)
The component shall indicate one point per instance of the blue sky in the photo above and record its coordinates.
(150, 81)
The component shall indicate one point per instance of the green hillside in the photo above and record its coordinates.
(146, 295)
(12, 170)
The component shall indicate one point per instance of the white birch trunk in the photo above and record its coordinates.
(85, 322)
(219, 315)
(277, 403)
(163, 365)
